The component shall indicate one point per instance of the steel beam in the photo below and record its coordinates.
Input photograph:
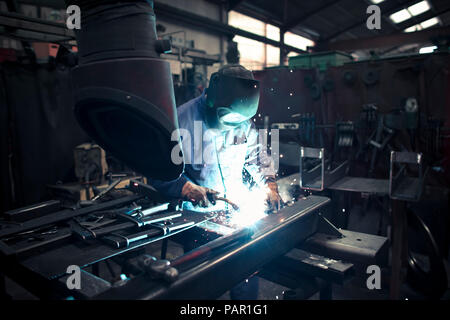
(194, 20)
(295, 22)
(22, 22)
(258, 13)
(390, 40)
(233, 4)
(56, 4)
(421, 18)
(273, 236)
(384, 12)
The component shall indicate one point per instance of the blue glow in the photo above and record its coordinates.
(252, 204)
(123, 277)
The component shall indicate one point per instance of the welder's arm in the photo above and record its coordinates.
(198, 195)
(170, 189)
(273, 196)
(184, 189)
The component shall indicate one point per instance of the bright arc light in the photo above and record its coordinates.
(376, 1)
(252, 204)
(427, 49)
(400, 16)
(419, 8)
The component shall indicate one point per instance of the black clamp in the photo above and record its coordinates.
(158, 269)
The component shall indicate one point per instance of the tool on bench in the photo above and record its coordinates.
(86, 233)
(108, 189)
(157, 269)
(85, 203)
(121, 240)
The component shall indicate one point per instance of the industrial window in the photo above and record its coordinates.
(429, 49)
(423, 25)
(297, 41)
(256, 55)
(409, 12)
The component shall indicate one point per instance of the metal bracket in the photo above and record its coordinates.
(318, 178)
(326, 227)
(401, 186)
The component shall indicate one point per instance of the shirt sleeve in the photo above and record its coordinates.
(186, 118)
(170, 189)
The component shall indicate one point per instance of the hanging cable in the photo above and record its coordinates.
(221, 174)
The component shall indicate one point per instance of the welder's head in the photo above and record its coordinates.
(232, 97)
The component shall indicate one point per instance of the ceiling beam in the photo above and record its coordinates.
(416, 20)
(422, 17)
(233, 4)
(165, 11)
(391, 40)
(260, 14)
(39, 26)
(384, 12)
(295, 22)
(55, 4)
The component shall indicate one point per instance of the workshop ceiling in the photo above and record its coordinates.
(334, 20)
(326, 21)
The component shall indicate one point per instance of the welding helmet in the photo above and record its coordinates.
(232, 97)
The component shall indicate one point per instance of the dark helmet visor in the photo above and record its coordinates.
(239, 95)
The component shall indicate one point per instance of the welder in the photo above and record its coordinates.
(221, 149)
(220, 144)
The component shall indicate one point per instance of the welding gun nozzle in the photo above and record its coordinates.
(234, 205)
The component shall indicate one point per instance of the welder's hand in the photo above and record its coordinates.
(273, 197)
(198, 195)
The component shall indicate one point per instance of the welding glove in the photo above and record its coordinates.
(273, 197)
(198, 195)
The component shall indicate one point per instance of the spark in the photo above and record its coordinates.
(251, 202)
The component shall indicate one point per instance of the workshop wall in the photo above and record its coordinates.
(384, 82)
(38, 132)
(201, 38)
(390, 82)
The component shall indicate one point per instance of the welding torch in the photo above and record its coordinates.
(213, 198)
